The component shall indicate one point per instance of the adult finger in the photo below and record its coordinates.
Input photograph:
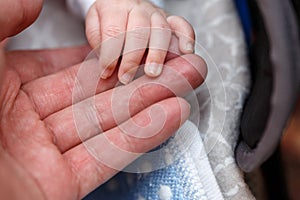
(184, 31)
(33, 64)
(54, 92)
(16, 15)
(136, 42)
(158, 45)
(104, 111)
(99, 158)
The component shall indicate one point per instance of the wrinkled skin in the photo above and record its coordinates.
(38, 132)
(41, 153)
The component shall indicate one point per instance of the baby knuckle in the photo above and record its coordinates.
(131, 63)
(166, 27)
(140, 33)
(113, 31)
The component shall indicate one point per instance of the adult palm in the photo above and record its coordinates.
(52, 146)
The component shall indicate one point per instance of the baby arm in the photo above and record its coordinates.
(132, 27)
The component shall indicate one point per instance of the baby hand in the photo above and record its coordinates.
(132, 27)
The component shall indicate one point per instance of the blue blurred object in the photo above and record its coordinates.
(244, 13)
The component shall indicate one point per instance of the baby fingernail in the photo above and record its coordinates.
(126, 78)
(107, 73)
(190, 47)
(153, 69)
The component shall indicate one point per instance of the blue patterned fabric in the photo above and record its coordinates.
(218, 31)
(180, 180)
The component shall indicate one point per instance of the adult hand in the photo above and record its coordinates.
(16, 15)
(46, 146)
(43, 152)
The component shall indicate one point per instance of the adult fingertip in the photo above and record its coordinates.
(191, 67)
(198, 63)
(185, 109)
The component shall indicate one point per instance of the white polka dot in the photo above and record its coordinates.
(165, 192)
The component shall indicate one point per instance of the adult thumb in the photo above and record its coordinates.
(17, 15)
